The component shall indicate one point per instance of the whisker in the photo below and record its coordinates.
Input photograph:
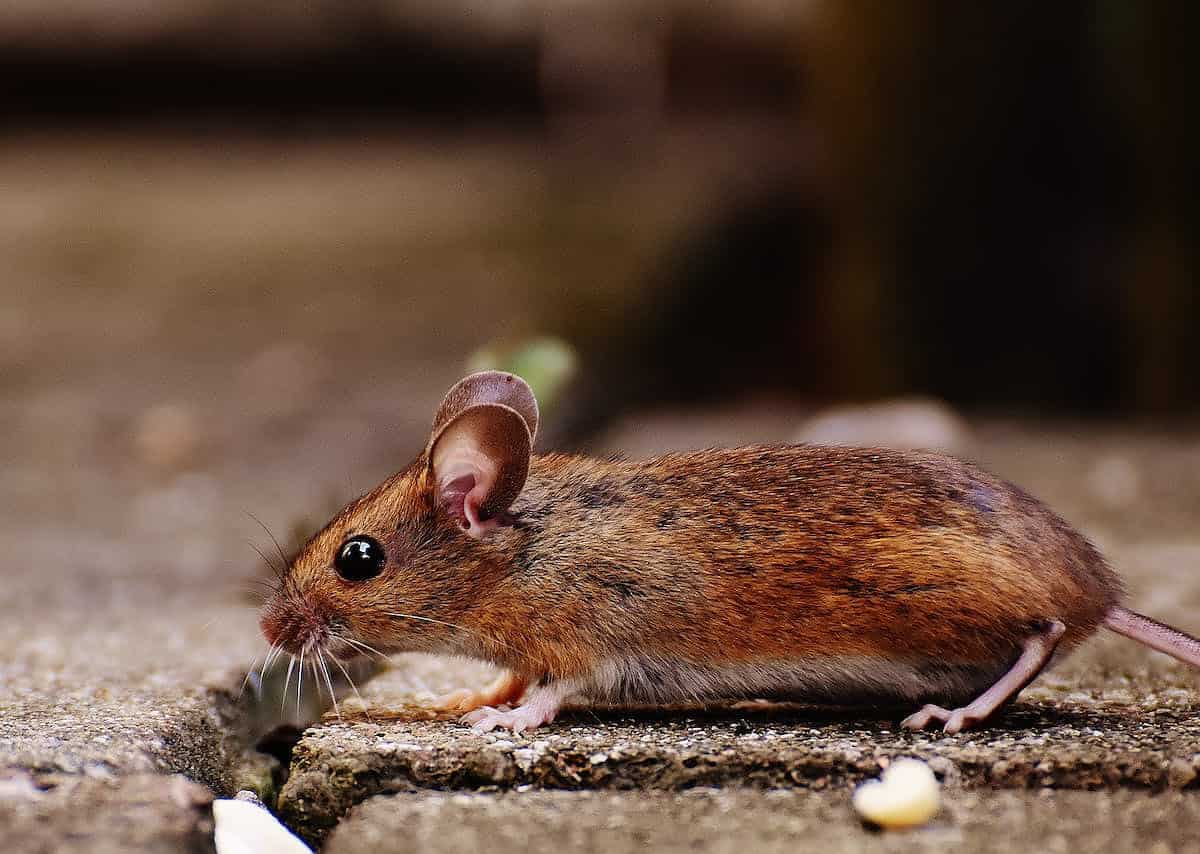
(275, 657)
(278, 547)
(249, 672)
(367, 648)
(299, 682)
(259, 595)
(316, 672)
(353, 687)
(267, 661)
(329, 684)
(287, 681)
(276, 571)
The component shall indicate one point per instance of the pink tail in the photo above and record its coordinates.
(1155, 635)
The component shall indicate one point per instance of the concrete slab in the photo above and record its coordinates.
(1152, 744)
(66, 813)
(783, 821)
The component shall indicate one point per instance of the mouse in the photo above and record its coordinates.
(822, 574)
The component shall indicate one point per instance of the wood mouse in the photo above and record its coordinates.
(823, 574)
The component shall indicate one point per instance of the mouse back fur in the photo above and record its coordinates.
(785, 552)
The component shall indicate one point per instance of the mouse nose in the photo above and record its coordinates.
(290, 628)
(271, 628)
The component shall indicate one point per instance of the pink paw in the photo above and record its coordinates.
(522, 718)
(954, 720)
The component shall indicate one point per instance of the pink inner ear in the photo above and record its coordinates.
(461, 498)
(474, 462)
(453, 497)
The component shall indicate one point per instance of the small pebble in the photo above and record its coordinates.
(250, 798)
(17, 785)
(1115, 481)
(902, 423)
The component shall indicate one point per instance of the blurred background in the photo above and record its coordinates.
(247, 246)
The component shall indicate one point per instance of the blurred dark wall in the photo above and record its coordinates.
(991, 202)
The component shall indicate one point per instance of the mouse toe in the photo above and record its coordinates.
(928, 714)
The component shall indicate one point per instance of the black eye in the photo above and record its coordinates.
(360, 558)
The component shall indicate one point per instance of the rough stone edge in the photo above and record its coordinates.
(234, 764)
(324, 786)
(208, 744)
(81, 812)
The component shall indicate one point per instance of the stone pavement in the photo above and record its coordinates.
(1153, 744)
(125, 674)
(733, 821)
(65, 814)
(144, 419)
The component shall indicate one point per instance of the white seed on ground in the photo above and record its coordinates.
(906, 795)
(243, 827)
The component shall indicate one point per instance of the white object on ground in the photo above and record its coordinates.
(906, 795)
(243, 827)
(905, 423)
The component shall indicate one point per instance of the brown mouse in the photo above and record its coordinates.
(823, 574)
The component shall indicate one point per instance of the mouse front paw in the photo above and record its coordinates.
(521, 719)
(540, 707)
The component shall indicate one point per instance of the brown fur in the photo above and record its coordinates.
(713, 557)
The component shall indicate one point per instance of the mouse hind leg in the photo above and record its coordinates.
(1035, 653)
(507, 689)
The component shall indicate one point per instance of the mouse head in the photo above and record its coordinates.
(397, 568)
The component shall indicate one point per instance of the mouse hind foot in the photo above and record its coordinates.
(1035, 653)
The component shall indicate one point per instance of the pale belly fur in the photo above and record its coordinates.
(836, 680)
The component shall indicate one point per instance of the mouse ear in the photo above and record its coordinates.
(489, 387)
(480, 447)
